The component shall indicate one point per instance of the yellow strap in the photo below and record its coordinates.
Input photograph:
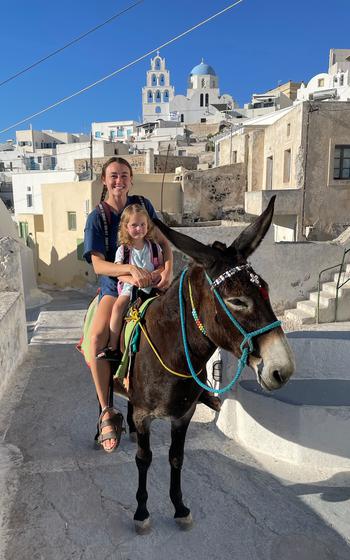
(135, 316)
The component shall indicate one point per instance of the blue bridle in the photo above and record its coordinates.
(246, 345)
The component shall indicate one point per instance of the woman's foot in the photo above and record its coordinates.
(110, 427)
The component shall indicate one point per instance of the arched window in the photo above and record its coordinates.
(154, 80)
(203, 82)
(158, 109)
(207, 99)
(341, 82)
(166, 96)
(201, 102)
(161, 80)
(157, 64)
(149, 96)
(158, 98)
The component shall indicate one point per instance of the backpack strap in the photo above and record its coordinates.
(126, 254)
(142, 202)
(105, 213)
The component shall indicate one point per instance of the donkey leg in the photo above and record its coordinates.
(182, 514)
(131, 423)
(143, 460)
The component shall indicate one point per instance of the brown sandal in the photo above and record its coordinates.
(117, 425)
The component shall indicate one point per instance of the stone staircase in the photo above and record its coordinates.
(306, 310)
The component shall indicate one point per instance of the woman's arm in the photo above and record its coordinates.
(167, 273)
(138, 276)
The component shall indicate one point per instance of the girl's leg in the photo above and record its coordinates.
(118, 312)
(100, 369)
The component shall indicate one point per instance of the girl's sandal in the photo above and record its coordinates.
(117, 425)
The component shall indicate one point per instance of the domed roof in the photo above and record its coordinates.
(202, 69)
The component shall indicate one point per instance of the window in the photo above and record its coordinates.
(201, 102)
(320, 82)
(158, 109)
(203, 120)
(157, 64)
(158, 99)
(154, 80)
(182, 152)
(234, 156)
(29, 200)
(341, 82)
(341, 162)
(97, 134)
(182, 118)
(23, 230)
(72, 221)
(207, 99)
(166, 96)
(288, 129)
(149, 97)
(286, 166)
(161, 80)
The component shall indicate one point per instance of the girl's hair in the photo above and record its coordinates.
(123, 235)
(114, 159)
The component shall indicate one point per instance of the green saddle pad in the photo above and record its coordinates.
(131, 339)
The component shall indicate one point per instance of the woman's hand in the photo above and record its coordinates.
(140, 277)
(166, 277)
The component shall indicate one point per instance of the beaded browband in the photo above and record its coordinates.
(254, 278)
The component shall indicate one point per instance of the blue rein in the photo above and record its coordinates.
(246, 345)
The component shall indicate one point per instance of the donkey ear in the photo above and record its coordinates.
(251, 237)
(199, 252)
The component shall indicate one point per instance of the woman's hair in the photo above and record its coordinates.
(123, 235)
(114, 159)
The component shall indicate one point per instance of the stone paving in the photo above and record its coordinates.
(61, 499)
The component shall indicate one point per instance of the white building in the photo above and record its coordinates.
(202, 103)
(332, 85)
(32, 140)
(67, 153)
(27, 188)
(122, 131)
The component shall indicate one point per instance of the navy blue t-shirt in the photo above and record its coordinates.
(94, 239)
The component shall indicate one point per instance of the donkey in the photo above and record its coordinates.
(156, 393)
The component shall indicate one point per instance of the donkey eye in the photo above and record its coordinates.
(238, 302)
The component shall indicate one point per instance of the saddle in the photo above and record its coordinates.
(130, 337)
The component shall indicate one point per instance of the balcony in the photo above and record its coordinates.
(288, 201)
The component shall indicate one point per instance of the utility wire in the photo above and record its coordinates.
(69, 44)
(132, 63)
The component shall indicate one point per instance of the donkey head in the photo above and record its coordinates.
(244, 293)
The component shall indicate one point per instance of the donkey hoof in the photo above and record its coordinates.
(143, 527)
(133, 437)
(185, 523)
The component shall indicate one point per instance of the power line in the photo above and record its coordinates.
(132, 63)
(68, 44)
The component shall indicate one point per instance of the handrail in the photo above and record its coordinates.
(337, 287)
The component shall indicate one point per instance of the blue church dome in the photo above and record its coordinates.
(202, 69)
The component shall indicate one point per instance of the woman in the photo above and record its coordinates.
(117, 178)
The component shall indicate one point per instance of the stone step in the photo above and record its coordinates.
(344, 277)
(326, 298)
(331, 287)
(295, 318)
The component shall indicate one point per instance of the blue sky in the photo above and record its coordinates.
(252, 48)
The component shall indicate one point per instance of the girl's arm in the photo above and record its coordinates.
(167, 273)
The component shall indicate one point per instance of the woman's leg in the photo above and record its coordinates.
(100, 369)
(118, 312)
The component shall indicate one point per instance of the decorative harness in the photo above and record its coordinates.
(246, 345)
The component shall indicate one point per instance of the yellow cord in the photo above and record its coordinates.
(134, 315)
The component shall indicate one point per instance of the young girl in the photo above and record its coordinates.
(135, 235)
